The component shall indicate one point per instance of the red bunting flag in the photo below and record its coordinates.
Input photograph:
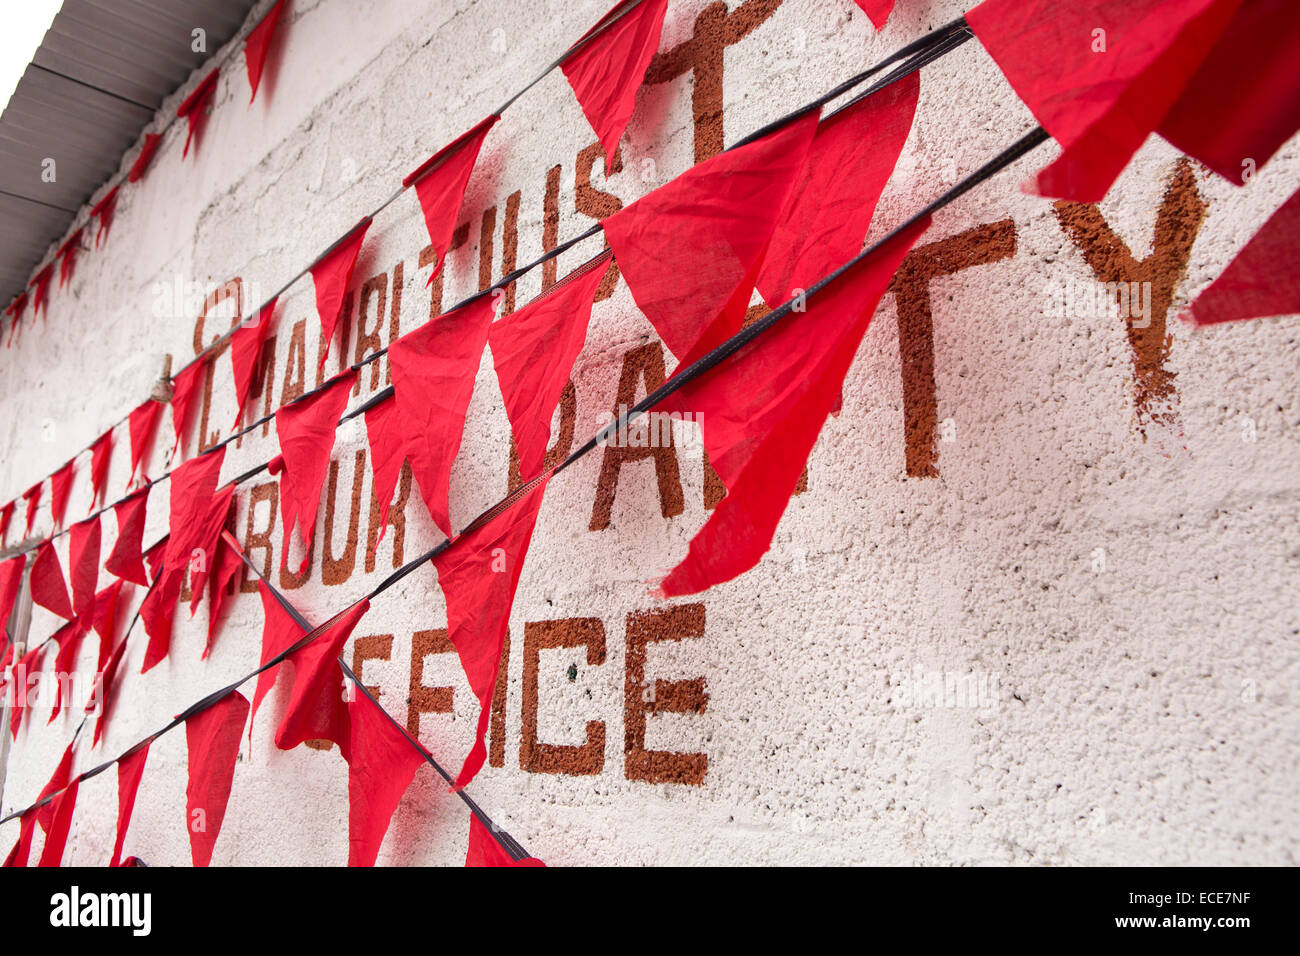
(484, 850)
(212, 736)
(100, 453)
(1099, 75)
(433, 377)
(30, 663)
(68, 256)
(440, 183)
(387, 453)
(317, 709)
(107, 604)
(129, 771)
(193, 490)
(478, 575)
(380, 768)
(107, 692)
(762, 409)
(204, 558)
(83, 567)
(41, 297)
(606, 70)
(47, 583)
(245, 350)
(103, 211)
(690, 250)
(279, 633)
(143, 423)
(258, 43)
(68, 640)
(877, 10)
(185, 388)
(60, 489)
(306, 429)
(33, 498)
(56, 840)
(229, 561)
(11, 581)
(195, 109)
(331, 275)
(62, 775)
(141, 164)
(534, 350)
(829, 210)
(15, 313)
(1261, 280)
(6, 516)
(1244, 101)
(23, 848)
(126, 560)
(156, 613)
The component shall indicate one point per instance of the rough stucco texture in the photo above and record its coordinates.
(1036, 605)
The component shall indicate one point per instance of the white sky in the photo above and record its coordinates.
(25, 24)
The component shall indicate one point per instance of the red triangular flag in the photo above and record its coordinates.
(606, 71)
(143, 422)
(380, 768)
(141, 164)
(156, 612)
(62, 774)
(129, 771)
(387, 452)
(6, 516)
(104, 210)
(105, 620)
(68, 256)
(60, 489)
(534, 350)
(478, 575)
(30, 663)
(15, 313)
(68, 639)
(193, 489)
(48, 587)
(690, 250)
(877, 10)
(245, 349)
(100, 452)
(433, 377)
(316, 709)
(1261, 280)
(761, 411)
(23, 848)
(440, 186)
(1244, 101)
(331, 275)
(257, 44)
(204, 559)
(829, 210)
(126, 559)
(212, 736)
(484, 850)
(228, 564)
(83, 567)
(33, 498)
(1099, 75)
(306, 429)
(279, 633)
(185, 388)
(107, 695)
(41, 297)
(194, 108)
(56, 840)
(11, 581)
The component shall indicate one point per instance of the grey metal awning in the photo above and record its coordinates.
(102, 71)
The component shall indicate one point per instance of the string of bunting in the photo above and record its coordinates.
(764, 388)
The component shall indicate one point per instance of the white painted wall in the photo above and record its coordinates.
(1141, 713)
